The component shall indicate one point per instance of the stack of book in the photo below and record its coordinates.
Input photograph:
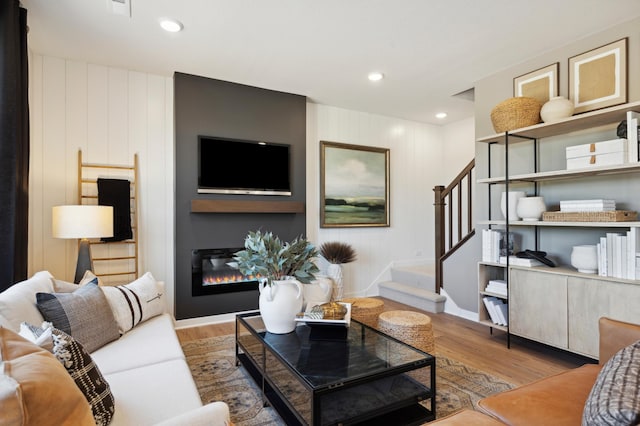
(494, 244)
(587, 206)
(498, 310)
(498, 287)
(618, 255)
(519, 261)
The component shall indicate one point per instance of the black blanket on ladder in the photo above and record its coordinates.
(115, 192)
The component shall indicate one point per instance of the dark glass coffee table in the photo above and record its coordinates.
(314, 377)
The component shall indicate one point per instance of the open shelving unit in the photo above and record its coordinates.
(572, 279)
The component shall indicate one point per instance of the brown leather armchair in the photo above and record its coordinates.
(556, 400)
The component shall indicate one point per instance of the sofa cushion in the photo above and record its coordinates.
(151, 342)
(556, 400)
(78, 363)
(35, 389)
(615, 396)
(135, 302)
(168, 390)
(83, 314)
(213, 414)
(18, 302)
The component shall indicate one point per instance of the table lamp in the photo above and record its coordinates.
(83, 222)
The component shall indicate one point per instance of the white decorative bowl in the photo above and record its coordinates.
(531, 208)
(585, 259)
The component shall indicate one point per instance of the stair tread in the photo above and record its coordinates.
(405, 288)
(427, 269)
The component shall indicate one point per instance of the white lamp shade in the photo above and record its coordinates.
(82, 221)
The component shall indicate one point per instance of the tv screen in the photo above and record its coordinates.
(232, 166)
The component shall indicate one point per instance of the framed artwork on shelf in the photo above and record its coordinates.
(354, 185)
(541, 84)
(598, 78)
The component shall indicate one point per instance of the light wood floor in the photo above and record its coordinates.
(467, 342)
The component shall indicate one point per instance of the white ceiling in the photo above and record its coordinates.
(428, 50)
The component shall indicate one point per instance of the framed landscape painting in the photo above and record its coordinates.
(354, 185)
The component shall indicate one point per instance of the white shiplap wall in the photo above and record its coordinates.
(110, 114)
(416, 166)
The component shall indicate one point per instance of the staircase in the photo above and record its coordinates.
(419, 285)
(414, 286)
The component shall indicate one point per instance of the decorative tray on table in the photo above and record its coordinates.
(313, 317)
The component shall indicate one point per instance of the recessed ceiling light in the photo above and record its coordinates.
(171, 25)
(376, 76)
(441, 115)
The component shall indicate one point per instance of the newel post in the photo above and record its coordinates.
(439, 205)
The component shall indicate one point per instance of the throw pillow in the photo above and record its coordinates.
(17, 303)
(83, 314)
(61, 286)
(615, 396)
(135, 302)
(35, 388)
(80, 367)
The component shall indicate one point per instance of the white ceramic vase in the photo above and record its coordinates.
(556, 109)
(279, 303)
(514, 196)
(585, 259)
(531, 208)
(334, 271)
(317, 292)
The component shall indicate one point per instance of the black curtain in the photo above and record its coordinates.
(14, 143)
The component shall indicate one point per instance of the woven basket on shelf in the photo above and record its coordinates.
(514, 113)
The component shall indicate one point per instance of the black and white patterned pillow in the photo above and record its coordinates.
(615, 396)
(80, 366)
(84, 314)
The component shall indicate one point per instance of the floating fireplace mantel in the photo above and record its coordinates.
(211, 273)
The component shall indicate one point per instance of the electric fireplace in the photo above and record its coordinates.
(212, 274)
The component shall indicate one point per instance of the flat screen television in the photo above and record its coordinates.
(233, 166)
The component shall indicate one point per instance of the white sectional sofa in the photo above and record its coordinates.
(145, 368)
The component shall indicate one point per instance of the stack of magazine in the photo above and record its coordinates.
(574, 206)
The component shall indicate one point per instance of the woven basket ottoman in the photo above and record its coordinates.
(365, 309)
(412, 328)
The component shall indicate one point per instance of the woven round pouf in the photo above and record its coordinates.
(412, 328)
(365, 309)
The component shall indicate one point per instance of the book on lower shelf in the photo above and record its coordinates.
(497, 309)
(497, 286)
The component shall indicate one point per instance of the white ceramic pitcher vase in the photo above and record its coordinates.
(279, 303)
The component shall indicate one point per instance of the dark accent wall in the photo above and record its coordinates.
(205, 106)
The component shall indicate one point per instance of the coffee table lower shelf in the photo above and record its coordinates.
(401, 407)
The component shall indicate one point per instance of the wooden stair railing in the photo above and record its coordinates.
(450, 238)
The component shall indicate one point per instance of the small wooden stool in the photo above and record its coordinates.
(412, 328)
(365, 309)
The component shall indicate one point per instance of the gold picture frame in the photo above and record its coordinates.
(598, 78)
(354, 185)
(541, 84)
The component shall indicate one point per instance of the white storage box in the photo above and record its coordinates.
(607, 153)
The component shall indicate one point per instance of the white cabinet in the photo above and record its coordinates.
(591, 298)
(538, 306)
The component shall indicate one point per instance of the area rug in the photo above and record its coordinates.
(213, 366)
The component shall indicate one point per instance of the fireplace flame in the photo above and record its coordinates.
(228, 279)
